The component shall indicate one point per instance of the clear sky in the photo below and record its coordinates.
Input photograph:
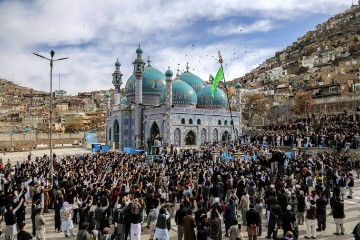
(94, 33)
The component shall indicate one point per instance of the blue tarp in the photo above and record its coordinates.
(132, 150)
(91, 137)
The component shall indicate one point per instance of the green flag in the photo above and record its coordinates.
(219, 76)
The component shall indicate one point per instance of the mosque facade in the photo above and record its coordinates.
(180, 110)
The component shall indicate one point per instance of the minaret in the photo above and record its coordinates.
(238, 105)
(168, 75)
(117, 81)
(108, 98)
(139, 73)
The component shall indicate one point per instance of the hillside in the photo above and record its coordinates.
(324, 61)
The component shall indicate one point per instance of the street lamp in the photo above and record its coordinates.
(52, 53)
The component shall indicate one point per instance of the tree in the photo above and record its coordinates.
(256, 104)
(73, 127)
(303, 103)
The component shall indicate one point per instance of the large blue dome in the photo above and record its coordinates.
(153, 81)
(194, 81)
(205, 100)
(182, 94)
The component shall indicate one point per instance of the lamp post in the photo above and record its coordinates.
(52, 53)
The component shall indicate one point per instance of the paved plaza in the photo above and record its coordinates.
(352, 208)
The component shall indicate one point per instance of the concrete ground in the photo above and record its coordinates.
(352, 208)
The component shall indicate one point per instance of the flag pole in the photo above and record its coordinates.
(227, 95)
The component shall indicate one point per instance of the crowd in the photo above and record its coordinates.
(328, 130)
(186, 189)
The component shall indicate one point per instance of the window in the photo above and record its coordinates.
(334, 90)
(225, 122)
(190, 121)
(183, 121)
(198, 121)
(219, 122)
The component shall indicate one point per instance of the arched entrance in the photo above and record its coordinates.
(203, 135)
(154, 132)
(177, 137)
(215, 135)
(225, 136)
(116, 134)
(190, 138)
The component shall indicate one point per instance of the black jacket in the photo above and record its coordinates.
(252, 217)
(321, 204)
(338, 210)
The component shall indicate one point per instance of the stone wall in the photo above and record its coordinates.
(27, 141)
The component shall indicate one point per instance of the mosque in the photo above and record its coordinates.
(179, 110)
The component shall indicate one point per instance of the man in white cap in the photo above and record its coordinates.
(118, 220)
(288, 220)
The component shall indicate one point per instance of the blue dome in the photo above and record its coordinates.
(182, 94)
(123, 100)
(168, 73)
(205, 100)
(153, 81)
(238, 85)
(117, 64)
(139, 50)
(194, 81)
(107, 95)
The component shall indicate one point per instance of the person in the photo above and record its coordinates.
(301, 207)
(310, 219)
(214, 225)
(135, 222)
(288, 220)
(252, 220)
(229, 215)
(259, 207)
(161, 231)
(57, 207)
(342, 185)
(23, 234)
(189, 226)
(107, 235)
(66, 219)
(83, 233)
(235, 232)
(321, 204)
(244, 206)
(118, 220)
(274, 219)
(40, 224)
(179, 216)
(201, 228)
(356, 231)
(10, 220)
(351, 182)
(339, 215)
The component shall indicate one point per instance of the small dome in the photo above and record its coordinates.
(153, 81)
(107, 95)
(168, 73)
(123, 100)
(182, 94)
(238, 86)
(139, 50)
(205, 100)
(194, 81)
(117, 64)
